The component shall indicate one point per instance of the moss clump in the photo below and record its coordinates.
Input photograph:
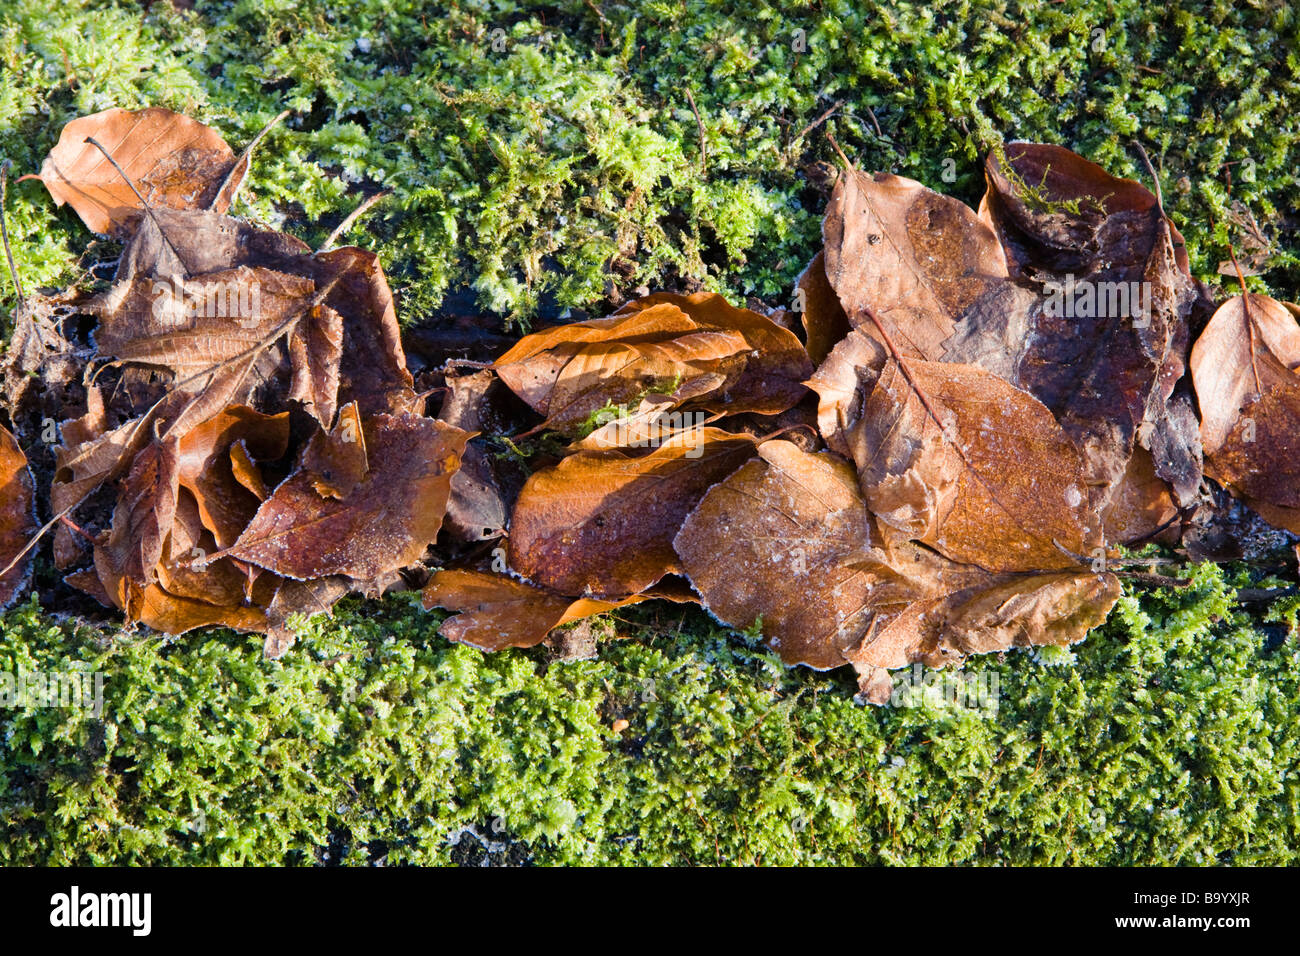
(1171, 737)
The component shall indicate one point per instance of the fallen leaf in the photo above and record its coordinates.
(602, 523)
(496, 612)
(173, 160)
(994, 483)
(17, 516)
(1245, 367)
(385, 522)
(697, 350)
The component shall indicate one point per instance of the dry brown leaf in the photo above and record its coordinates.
(1116, 377)
(787, 540)
(496, 612)
(205, 466)
(697, 350)
(602, 523)
(174, 161)
(920, 260)
(383, 523)
(1246, 366)
(774, 541)
(997, 484)
(17, 516)
(997, 291)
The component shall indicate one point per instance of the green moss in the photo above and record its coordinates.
(1169, 736)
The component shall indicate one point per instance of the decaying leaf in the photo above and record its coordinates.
(787, 540)
(995, 482)
(17, 517)
(697, 350)
(602, 523)
(1070, 284)
(383, 522)
(173, 160)
(497, 612)
(1246, 366)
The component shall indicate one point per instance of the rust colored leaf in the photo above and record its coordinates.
(496, 612)
(922, 261)
(787, 539)
(1245, 366)
(206, 466)
(174, 161)
(383, 523)
(602, 523)
(995, 483)
(1071, 284)
(17, 516)
(775, 541)
(824, 321)
(697, 350)
(1112, 375)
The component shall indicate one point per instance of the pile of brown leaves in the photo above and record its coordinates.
(981, 406)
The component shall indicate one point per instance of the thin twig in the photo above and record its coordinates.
(1160, 203)
(341, 229)
(815, 123)
(147, 208)
(874, 122)
(1257, 595)
(4, 229)
(232, 183)
(73, 526)
(1159, 580)
(704, 147)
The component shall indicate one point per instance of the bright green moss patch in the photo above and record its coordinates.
(1170, 736)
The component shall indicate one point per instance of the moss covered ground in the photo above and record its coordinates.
(548, 157)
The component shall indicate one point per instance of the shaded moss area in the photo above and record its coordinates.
(1170, 736)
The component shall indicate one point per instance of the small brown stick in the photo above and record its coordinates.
(342, 228)
(815, 123)
(874, 122)
(1160, 203)
(73, 526)
(42, 532)
(20, 313)
(1159, 580)
(1259, 595)
(230, 184)
(704, 147)
(4, 229)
